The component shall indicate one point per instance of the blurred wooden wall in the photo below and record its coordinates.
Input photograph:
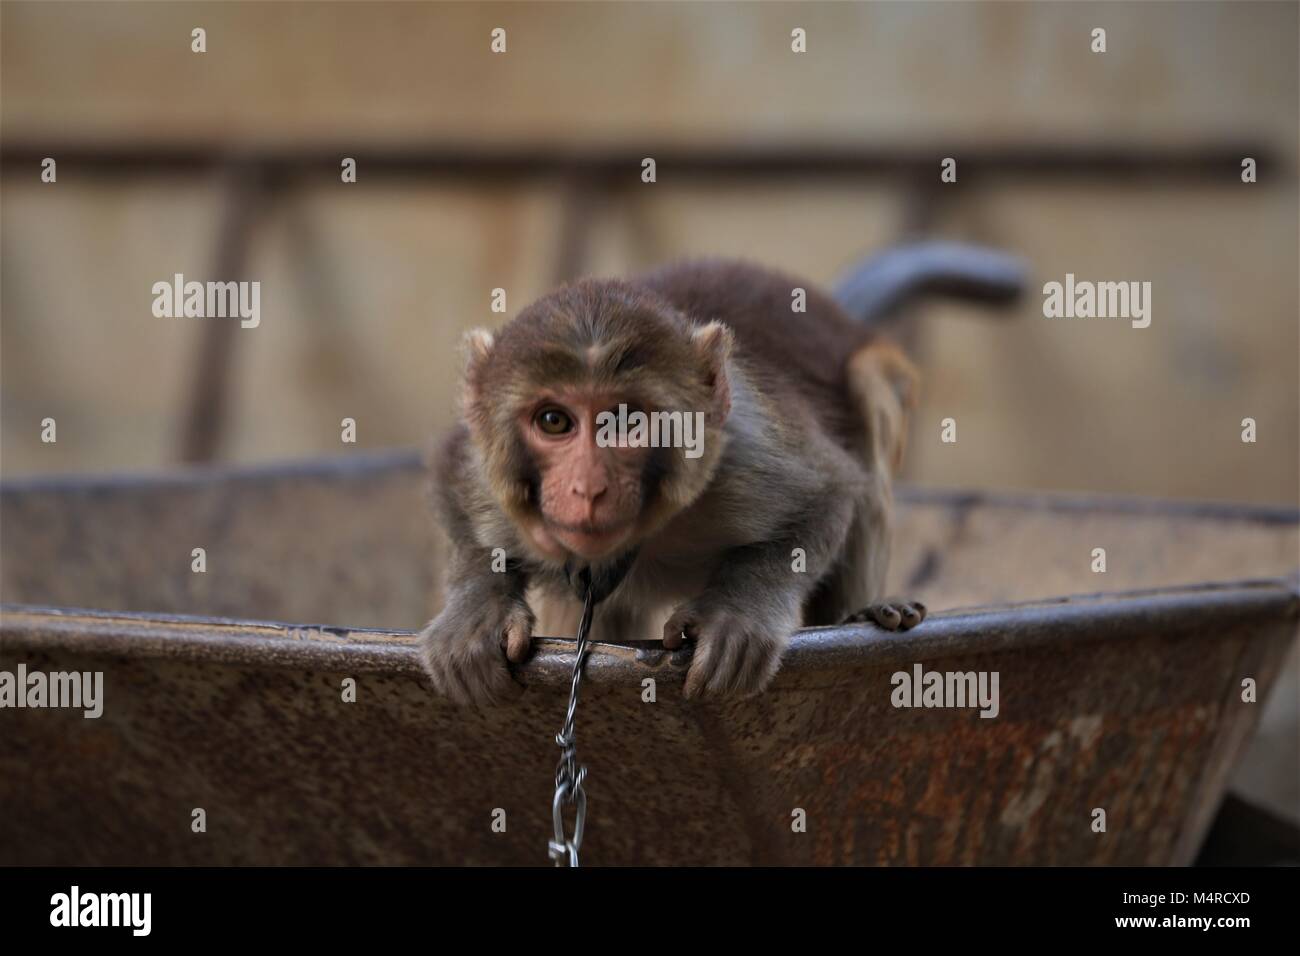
(366, 287)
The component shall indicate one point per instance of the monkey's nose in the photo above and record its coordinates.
(588, 494)
(590, 490)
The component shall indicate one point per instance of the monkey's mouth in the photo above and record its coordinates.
(590, 540)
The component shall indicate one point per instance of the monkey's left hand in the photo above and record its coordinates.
(737, 649)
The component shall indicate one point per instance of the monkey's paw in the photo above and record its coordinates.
(892, 615)
(466, 647)
(737, 653)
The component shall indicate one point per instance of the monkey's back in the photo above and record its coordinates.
(794, 357)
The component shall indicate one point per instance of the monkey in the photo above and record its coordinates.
(781, 519)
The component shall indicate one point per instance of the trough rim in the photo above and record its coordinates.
(1173, 612)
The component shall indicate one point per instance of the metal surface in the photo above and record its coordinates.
(1128, 702)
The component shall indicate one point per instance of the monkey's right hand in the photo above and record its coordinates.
(466, 647)
(738, 644)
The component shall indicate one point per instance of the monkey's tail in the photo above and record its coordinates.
(873, 290)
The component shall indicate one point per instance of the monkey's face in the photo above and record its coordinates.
(590, 493)
(552, 403)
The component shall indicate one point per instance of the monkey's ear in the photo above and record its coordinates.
(713, 342)
(885, 384)
(477, 346)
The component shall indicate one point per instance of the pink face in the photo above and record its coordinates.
(590, 496)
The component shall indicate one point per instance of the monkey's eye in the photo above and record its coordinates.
(553, 421)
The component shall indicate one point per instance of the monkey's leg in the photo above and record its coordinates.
(853, 591)
(857, 578)
(883, 383)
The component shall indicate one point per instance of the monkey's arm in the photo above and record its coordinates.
(753, 603)
(485, 618)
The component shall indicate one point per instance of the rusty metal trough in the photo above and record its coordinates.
(1130, 702)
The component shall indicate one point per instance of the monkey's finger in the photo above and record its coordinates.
(735, 647)
(476, 671)
(679, 627)
(488, 677)
(494, 686)
(760, 665)
(913, 613)
(703, 666)
(441, 663)
(887, 616)
(882, 615)
(435, 661)
(453, 683)
(518, 640)
(504, 688)
(450, 686)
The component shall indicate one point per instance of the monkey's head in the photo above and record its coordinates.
(535, 394)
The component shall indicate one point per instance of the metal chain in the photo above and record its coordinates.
(569, 774)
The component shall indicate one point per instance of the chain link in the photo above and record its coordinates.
(569, 774)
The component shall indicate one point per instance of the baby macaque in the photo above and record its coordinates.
(754, 498)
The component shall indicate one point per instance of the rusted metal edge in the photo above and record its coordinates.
(1084, 619)
(393, 461)
(361, 465)
(1216, 770)
(1101, 504)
